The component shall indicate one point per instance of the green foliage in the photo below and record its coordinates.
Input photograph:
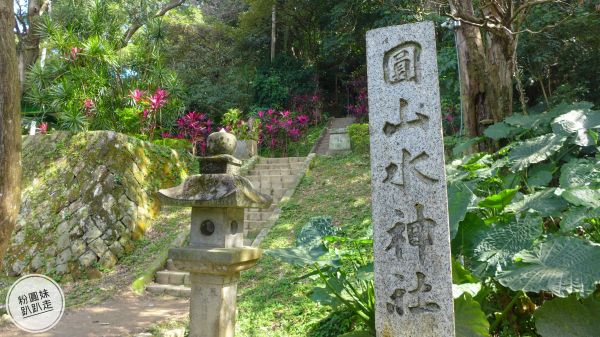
(243, 130)
(522, 218)
(568, 317)
(84, 81)
(470, 319)
(359, 137)
(343, 265)
(560, 265)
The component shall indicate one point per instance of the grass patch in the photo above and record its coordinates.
(271, 302)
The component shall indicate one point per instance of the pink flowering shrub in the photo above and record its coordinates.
(280, 128)
(309, 105)
(149, 106)
(194, 127)
(360, 108)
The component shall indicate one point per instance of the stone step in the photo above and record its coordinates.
(255, 224)
(275, 172)
(270, 209)
(168, 289)
(272, 178)
(281, 160)
(172, 277)
(259, 167)
(271, 185)
(257, 216)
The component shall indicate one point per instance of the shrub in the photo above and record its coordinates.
(359, 137)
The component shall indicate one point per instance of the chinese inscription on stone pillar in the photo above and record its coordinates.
(413, 284)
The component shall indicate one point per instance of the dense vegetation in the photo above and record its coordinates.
(524, 190)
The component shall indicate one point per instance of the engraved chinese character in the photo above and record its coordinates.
(395, 174)
(422, 287)
(391, 128)
(397, 297)
(401, 63)
(419, 234)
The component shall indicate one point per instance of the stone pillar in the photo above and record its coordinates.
(213, 305)
(411, 240)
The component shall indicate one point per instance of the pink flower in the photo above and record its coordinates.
(285, 113)
(165, 135)
(270, 128)
(136, 95)
(158, 99)
(294, 133)
(145, 113)
(302, 119)
(88, 104)
(287, 123)
(449, 118)
(273, 143)
(270, 112)
(74, 52)
(43, 128)
(261, 114)
(314, 99)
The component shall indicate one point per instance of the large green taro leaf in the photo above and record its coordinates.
(540, 175)
(579, 173)
(583, 196)
(563, 317)
(577, 122)
(535, 150)
(460, 196)
(546, 202)
(576, 216)
(470, 320)
(562, 265)
(500, 130)
(500, 200)
(501, 242)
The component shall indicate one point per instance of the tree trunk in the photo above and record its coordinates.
(500, 68)
(10, 127)
(472, 71)
(29, 42)
(273, 31)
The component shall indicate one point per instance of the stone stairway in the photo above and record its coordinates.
(274, 177)
(277, 177)
(335, 123)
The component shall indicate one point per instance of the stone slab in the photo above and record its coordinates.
(413, 284)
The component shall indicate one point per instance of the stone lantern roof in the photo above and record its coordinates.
(215, 190)
(218, 185)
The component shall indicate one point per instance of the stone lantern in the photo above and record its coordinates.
(216, 254)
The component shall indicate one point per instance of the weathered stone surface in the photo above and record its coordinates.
(88, 258)
(78, 247)
(91, 188)
(339, 141)
(117, 249)
(413, 284)
(108, 259)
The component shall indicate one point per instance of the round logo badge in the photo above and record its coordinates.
(35, 303)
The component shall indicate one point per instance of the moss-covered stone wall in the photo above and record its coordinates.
(86, 196)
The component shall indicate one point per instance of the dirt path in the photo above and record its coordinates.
(122, 315)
